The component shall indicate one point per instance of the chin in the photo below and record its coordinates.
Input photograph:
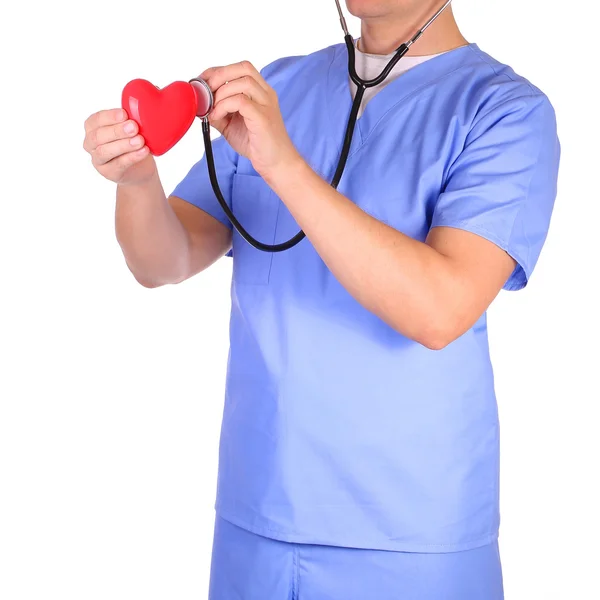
(369, 9)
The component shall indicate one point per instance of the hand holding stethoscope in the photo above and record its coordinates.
(246, 112)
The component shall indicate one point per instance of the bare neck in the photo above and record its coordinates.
(383, 36)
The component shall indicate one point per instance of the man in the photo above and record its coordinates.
(359, 449)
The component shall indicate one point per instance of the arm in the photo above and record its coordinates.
(166, 241)
(431, 292)
(163, 240)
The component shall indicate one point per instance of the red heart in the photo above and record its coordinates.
(163, 116)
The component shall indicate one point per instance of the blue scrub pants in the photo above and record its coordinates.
(246, 566)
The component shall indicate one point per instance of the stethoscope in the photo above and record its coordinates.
(362, 85)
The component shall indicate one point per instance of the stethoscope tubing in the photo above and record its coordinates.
(334, 183)
(296, 239)
(362, 86)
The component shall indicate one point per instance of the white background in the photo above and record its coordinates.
(111, 394)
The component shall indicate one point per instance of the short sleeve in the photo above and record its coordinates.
(503, 184)
(196, 188)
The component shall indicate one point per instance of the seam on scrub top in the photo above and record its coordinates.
(468, 226)
(326, 91)
(487, 62)
(218, 217)
(480, 55)
(478, 119)
(493, 511)
(241, 523)
(507, 247)
(492, 533)
(490, 236)
(278, 199)
(410, 95)
(497, 106)
(327, 94)
(442, 222)
(522, 204)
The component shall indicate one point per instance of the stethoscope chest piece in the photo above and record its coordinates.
(204, 97)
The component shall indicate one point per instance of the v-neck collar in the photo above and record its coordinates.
(411, 82)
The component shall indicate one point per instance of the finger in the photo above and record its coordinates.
(105, 117)
(235, 104)
(244, 85)
(109, 133)
(107, 152)
(217, 76)
(125, 161)
(209, 72)
(221, 125)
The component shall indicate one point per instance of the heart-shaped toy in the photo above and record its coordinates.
(165, 115)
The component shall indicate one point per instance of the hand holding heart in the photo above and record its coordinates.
(246, 111)
(117, 149)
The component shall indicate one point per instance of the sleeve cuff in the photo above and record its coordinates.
(519, 277)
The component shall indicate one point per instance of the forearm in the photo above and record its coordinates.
(153, 240)
(411, 286)
(431, 291)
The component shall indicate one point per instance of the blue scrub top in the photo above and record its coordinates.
(337, 429)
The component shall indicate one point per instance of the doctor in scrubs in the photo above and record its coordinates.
(359, 454)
